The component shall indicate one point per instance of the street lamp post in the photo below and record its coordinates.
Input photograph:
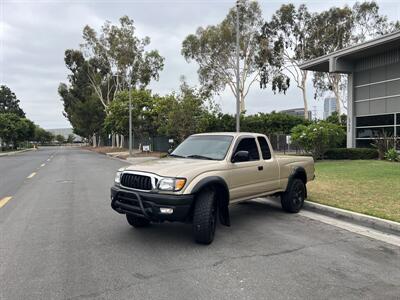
(237, 70)
(130, 118)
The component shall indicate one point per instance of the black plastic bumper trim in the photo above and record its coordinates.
(147, 205)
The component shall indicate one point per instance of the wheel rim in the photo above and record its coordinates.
(298, 195)
(213, 220)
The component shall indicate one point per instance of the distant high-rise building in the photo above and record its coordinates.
(329, 106)
(297, 112)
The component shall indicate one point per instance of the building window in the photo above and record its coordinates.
(375, 120)
(369, 128)
(374, 132)
(364, 143)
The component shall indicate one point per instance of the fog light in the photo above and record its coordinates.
(165, 210)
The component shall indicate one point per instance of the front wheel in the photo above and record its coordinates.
(205, 217)
(137, 222)
(293, 199)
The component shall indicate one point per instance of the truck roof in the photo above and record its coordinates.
(234, 134)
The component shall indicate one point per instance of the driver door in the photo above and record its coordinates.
(246, 177)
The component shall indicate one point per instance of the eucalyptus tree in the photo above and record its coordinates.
(341, 27)
(213, 48)
(288, 33)
(118, 58)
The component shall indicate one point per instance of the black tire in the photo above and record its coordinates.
(137, 222)
(293, 199)
(205, 217)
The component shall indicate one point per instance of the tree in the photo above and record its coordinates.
(42, 136)
(213, 48)
(60, 139)
(117, 119)
(338, 28)
(187, 113)
(9, 102)
(289, 34)
(70, 138)
(333, 118)
(117, 58)
(81, 106)
(14, 129)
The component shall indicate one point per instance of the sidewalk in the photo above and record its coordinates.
(16, 152)
(134, 159)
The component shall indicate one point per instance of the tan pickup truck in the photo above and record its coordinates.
(205, 174)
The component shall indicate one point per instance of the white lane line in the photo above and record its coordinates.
(30, 176)
(42, 165)
(365, 231)
(4, 201)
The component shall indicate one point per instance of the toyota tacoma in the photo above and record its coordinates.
(203, 176)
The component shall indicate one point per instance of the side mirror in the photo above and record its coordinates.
(241, 156)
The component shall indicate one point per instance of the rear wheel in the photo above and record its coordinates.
(205, 217)
(293, 199)
(137, 222)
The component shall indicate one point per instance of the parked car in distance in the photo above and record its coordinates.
(206, 174)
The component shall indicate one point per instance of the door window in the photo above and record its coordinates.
(248, 144)
(265, 151)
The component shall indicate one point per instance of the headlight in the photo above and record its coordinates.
(117, 178)
(171, 184)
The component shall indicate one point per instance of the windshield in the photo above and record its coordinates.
(204, 147)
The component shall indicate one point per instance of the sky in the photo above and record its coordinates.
(35, 34)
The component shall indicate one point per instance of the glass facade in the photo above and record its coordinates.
(375, 120)
(369, 128)
(374, 132)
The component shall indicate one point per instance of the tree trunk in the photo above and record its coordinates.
(117, 140)
(335, 88)
(242, 104)
(112, 140)
(304, 92)
(303, 89)
(121, 145)
(94, 140)
(99, 141)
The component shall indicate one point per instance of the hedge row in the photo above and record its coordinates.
(351, 153)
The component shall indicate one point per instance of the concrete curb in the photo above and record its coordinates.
(369, 221)
(16, 152)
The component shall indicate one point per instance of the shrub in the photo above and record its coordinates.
(383, 142)
(317, 138)
(351, 153)
(392, 155)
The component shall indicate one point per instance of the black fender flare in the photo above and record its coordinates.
(223, 199)
(300, 173)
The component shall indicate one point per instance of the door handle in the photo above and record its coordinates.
(260, 168)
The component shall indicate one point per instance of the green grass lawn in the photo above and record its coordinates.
(370, 187)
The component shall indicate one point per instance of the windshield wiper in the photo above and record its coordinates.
(199, 156)
(176, 155)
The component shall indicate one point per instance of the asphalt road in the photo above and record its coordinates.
(61, 240)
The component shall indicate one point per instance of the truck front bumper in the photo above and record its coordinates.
(148, 205)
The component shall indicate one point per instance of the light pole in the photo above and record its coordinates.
(130, 116)
(237, 70)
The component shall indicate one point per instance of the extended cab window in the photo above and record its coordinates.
(249, 144)
(265, 151)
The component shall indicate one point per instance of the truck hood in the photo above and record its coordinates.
(175, 167)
